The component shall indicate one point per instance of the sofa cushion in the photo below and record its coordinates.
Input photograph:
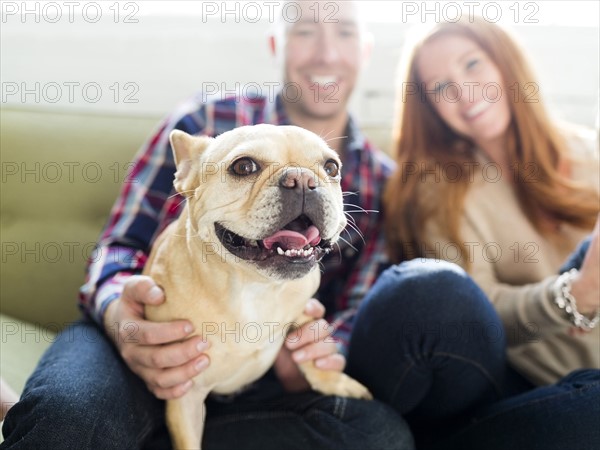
(23, 344)
(60, 176)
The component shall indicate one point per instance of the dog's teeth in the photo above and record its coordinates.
(288, 253)
(253, 243)
(280, 251)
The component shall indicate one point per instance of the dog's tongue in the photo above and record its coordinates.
(289, 239)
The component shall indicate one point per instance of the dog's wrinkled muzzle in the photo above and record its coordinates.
(300, 235)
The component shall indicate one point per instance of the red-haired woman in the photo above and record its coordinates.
(488, 181)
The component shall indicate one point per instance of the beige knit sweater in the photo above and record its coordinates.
(516, 266)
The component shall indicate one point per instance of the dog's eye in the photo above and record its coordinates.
(331, 168)
(244, 166)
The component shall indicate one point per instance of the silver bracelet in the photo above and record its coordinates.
(565, 301)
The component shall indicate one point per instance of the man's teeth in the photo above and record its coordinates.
(323, 79)
(295, 252)
(479, 107)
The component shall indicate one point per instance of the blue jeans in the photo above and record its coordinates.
(82, 396)
(427, 341)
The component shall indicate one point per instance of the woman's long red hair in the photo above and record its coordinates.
(424, 145)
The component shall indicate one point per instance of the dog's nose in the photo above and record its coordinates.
(297, 178)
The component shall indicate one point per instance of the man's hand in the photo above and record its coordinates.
(161, 354)
(311, 341)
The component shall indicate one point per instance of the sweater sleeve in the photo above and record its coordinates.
(527, 311)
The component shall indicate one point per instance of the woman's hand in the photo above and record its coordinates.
(586, 285)
(162, 354)
(311, 341)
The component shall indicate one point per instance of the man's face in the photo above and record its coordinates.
(323, 56)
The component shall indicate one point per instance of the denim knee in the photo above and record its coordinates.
(427, 290)
(425, 324)
(57, 417)
(82, 395)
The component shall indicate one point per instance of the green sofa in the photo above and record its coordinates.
(61, 173)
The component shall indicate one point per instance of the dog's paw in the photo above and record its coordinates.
(349, 387)
(336, 383)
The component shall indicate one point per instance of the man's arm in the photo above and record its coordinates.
(146, 205)
(162, 354)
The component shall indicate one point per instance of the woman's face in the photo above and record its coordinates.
(465, 87)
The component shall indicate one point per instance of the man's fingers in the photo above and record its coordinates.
(171, 355)
(143, 290)
(335, 362)
(314, 308)
(144, 332)
(314, 351)
(311, 332)
(163, 380)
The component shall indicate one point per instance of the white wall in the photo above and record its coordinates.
(167, 56)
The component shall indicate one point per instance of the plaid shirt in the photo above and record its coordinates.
(148, 203)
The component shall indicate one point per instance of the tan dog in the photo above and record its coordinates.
(264, 205)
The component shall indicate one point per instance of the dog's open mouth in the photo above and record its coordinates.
(299, 241)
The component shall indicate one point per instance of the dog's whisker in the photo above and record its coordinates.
(180, 193)
(351, 221)
(335, 138)
(348, 233)
(347, 193)
(360, 208)
(326, 139)
(340, 251)
(366, 211)
(349, 244)
(322, 136)
(358, 232)
(181, 202)
(355, 227)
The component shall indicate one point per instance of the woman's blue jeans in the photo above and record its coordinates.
(427, 341)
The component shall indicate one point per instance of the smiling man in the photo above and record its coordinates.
(101, 384)
(323, 59)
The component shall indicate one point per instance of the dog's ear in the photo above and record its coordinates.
(186, 151)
